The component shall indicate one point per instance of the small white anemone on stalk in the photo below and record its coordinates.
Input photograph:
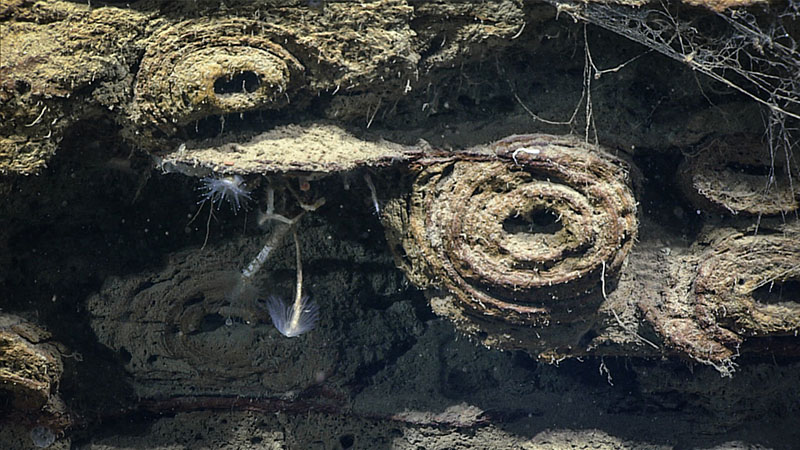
(299, 317)
(295, 319)
(221, 189)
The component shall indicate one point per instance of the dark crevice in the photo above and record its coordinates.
(241, 83)
(778, 292)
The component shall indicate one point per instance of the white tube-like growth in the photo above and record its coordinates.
(244, 283)
(257, 262)
(255, 265)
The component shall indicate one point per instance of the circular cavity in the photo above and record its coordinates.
(741, 174)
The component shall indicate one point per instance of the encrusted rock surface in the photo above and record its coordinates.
(553, 192)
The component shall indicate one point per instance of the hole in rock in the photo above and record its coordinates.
(243, 82)
(125, 355)
(749, 169)
(535, 221)
(347, 440)
(22, 86)
(778, 292)
(210, 322)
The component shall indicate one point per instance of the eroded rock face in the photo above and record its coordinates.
(197, 68)
(200, 71)
(171, 330)
(209, 90)
(729, 174)
(545, 243)
(197, 74)
(55, 72)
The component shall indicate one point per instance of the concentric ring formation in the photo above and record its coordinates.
(749, 284)
(203, 67)
(171, 327)
(740, 174)
(520, 230)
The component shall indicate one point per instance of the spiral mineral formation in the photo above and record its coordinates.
(519, 233)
